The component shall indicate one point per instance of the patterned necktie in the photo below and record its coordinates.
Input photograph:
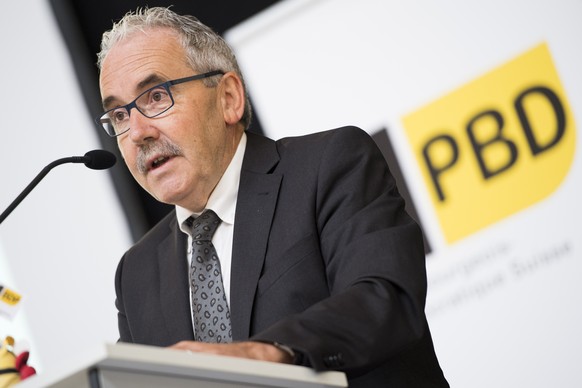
(209, 305)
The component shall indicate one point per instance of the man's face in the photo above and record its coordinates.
(177, 157)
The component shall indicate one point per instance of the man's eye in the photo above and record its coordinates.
(119, 115)
(158, 95)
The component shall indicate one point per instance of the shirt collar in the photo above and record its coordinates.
(222, 200)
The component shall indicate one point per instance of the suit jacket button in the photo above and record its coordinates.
(333, 360)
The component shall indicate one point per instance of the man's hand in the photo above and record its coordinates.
(253, 350)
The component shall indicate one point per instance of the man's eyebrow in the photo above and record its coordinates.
(151, 80)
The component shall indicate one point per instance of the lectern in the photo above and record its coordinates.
(130, 365)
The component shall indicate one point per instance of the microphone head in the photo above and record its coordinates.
(99, 159)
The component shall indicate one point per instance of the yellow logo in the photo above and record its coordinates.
(496, 145)
(9, 297)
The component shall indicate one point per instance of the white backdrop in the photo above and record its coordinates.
(504, 301)
(60, 247)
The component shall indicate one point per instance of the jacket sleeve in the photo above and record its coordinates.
(124, 333)
(374, 265)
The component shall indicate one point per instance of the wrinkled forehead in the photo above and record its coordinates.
(153, 55)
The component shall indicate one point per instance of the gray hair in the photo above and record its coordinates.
(205, 49)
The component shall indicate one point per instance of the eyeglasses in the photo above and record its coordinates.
(151, 103)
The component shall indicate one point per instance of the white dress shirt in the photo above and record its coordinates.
(222, 201)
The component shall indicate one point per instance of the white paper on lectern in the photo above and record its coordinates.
(156, 364)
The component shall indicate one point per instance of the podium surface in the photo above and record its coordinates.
(130, 365)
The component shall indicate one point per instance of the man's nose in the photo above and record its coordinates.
(141, 128)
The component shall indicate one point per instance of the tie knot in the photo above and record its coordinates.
(204, 226)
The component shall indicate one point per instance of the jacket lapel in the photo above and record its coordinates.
(257, 198)
(174, 287)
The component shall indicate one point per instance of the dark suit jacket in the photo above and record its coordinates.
(325, 260)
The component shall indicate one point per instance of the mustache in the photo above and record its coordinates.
(148, 150)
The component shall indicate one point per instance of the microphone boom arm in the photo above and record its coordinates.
(33, 184)
(96, 159)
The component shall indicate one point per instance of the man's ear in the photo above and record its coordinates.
(232, 97)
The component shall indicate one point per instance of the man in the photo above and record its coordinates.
(318, 261)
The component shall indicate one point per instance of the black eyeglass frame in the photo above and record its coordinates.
(128, 107)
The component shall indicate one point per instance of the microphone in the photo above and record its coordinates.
(98, 160)
(95, 160)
